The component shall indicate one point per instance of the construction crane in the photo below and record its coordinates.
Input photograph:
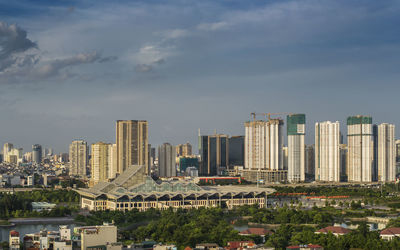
(267, 115)
(254, 144)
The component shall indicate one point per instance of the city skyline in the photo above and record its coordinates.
(65, 75)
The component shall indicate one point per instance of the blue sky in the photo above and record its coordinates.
(69, 69)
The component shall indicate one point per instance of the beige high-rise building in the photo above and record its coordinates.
(132, 144)
(100, 162)
(386, 153)
(327, 151)
(78, 158)
(264, 145)
(360, 149)
(113, 161)
(184, 149)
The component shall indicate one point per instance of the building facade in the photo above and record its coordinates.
(132, 144)
(327, 154)
(386, 153)
(214, 154)
(296, 148)
(100, 162)
(37, 153)
(263, 145)
(236, 151)
(361, 151)
(78, 159)
(166, 160)
(133, 189)
(310, 163)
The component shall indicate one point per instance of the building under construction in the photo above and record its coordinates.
(264, 150)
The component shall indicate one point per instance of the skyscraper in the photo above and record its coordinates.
(327, 154)
(263, 145)
(37, 153)
(132, 144)
(310, 162)
(296, 152)
(6, 151)
(214, 153)
(166, 160)
(100, 162)
(361, 154)
(386, 153)
(112, 161)
(78, 158)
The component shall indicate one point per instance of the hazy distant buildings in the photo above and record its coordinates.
(327, 157)
(343, 162)
(310, 162)
(386, 152)
(37, 153)
(166, 160)
(132, 144)
(78, 158)
(263, 145)
(236, 151)
(214, 154)
(100, 162)
(296, 152)
(184, 149)
(361, 152)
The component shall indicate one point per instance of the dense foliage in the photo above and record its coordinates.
(19, 204)
(190, 227)
(361, 238)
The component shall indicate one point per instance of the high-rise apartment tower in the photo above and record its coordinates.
(296, 148)
(132, 144)
(361, 152)
(327, 154)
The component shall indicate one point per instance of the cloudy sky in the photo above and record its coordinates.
(69, 69)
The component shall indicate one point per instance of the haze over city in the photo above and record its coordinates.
(70, 69)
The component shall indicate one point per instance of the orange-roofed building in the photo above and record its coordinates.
(390, 233)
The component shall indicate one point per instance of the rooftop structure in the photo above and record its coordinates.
(134, 189)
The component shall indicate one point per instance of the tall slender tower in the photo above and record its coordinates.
(100, 162)
(166, 160)
(78, 158)
(327, 154)
(37, 153)
(296, 152)
(264, 145)
(386, 153)
(132, 144)
(361, 152)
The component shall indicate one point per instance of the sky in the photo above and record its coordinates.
(70, 69)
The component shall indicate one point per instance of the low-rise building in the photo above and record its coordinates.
(40, 206)
(262, 232)
(92, 237)
(337, 231)
(239, 245)
(390, 233)
(305, 247)
(14, 240)
(133, 189)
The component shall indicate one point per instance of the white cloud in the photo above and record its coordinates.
(213, 26)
